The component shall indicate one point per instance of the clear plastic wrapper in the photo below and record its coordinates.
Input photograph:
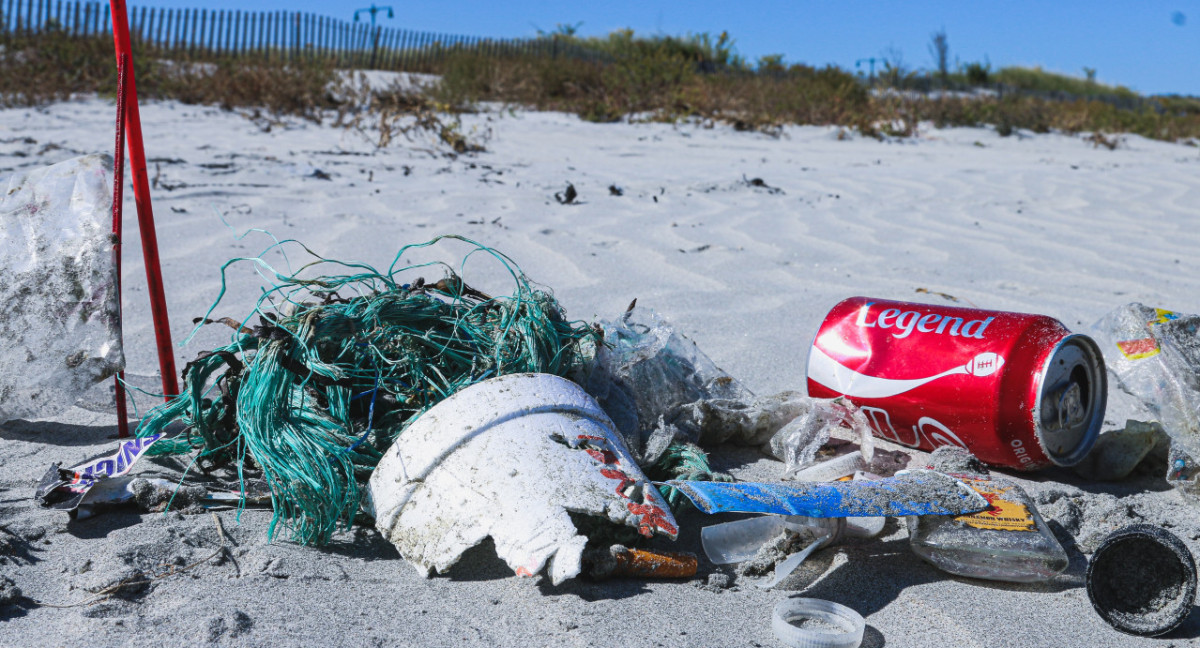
(657, 386)
(60, 331)
(1153, 356)
(797, 443)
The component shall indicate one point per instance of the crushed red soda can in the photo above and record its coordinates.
(1018, 391)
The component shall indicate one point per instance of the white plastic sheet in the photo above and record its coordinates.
(60, 329)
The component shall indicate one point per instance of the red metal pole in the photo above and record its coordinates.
(118, 200)
(141, 195)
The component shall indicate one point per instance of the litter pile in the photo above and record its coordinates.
(448, 416)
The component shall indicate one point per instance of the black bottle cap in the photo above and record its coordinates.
(1142, 580)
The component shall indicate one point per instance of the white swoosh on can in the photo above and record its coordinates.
(826, 371)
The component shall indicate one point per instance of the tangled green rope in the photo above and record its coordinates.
(683, 461)
(338, 365)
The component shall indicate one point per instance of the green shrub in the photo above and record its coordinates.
(1039, 80)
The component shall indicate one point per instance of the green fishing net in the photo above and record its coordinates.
(337, 365)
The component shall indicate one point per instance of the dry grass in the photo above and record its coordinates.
(627, 78)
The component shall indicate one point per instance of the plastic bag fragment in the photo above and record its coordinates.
(1154, 356)
(797, 443)
(1117, 452)
(512, 458)
(60, 329)
(657, 386)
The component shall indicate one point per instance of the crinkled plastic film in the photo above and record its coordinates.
(1154, 355)
(60, 329)
(657, 385)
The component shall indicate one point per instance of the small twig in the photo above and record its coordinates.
(220, 530)
(129, 582)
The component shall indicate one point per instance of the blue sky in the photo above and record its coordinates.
(1148, 45)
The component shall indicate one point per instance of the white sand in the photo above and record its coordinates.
(1044, 224)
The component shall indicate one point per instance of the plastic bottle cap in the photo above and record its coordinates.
(1142, 580)
(837, 626)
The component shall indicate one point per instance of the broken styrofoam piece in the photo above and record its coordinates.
(60, 329)
(509, 458)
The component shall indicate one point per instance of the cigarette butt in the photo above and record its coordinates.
(639, 563)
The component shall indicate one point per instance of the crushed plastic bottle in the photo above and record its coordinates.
(1008, 542)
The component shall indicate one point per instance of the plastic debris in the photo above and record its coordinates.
(513, 458)
(745, 540)
(740, 540)
(657, 386)
(798, 442)
(1118, 452)
(836, 468)
(339, 365)
(911, 492)
(667, 398)
(1153, 355)
(1008, 542)
(1142, 580)
(60, 331)
(65, 488)
(619, 561)
(815, 623)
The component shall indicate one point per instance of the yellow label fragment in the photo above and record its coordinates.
(1004, 514)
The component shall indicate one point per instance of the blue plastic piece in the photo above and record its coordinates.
(917, 492)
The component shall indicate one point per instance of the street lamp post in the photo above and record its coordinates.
(373, 10)
(871, 77)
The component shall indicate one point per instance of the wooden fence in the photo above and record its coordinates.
(205, 33)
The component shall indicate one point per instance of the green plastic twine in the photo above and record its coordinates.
(683, 461)
(339, 365)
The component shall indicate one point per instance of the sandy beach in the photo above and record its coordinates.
(742, 241)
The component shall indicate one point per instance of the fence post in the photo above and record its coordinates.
(214, 27)
(206, 20)
(231, 34)
(393, 41)
(374, 46)
(319, 38)
(180, 24)
(359, 43)
(195, 32)
(164, 29)
(405, 46)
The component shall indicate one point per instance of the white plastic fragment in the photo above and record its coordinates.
(60, 329)
(508, 458)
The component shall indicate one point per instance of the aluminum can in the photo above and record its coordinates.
(1018, 391)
